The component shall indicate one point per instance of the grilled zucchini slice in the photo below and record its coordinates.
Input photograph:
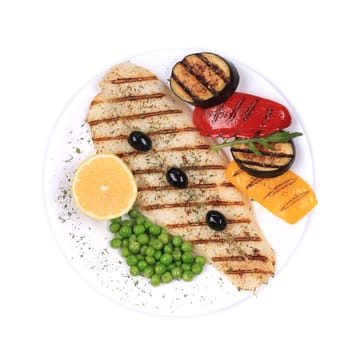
(269, 163)
(204, 79)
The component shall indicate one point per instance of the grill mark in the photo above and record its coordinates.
(236, 173)
(172, 149)
(128, 98)
(239, 258)
(203, 223)
(205, 185)
(153, 133)
(268, 113)
(280, 187)
(254, 182)
(249, 109)
(224, 240)
(135, 116)
(186, 168)
(214, 203)
(292, 201)
(263, 153)
(246, 271)
(261, 164)
(216, 69)
(236, 109)
(132, 80)
(183, 87)
(203, 167)
(228, 258)
(200, 78)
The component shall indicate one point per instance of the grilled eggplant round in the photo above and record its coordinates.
(269, 162)
(204, 79)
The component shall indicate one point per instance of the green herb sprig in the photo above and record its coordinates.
(280, 136)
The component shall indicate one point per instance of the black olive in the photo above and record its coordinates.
(140, 141)
(216, 220)
(177, 178)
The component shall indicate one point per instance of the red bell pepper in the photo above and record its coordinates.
(242, 115)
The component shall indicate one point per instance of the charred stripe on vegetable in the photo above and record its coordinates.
(282, 186)
(214, 67)
(200, 78)
(249, 109)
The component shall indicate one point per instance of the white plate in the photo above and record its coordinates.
(85, 242)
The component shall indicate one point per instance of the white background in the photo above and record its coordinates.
(49, 49)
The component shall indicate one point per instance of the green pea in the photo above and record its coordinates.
(188, 258)
(199, 259)
(147, 224)
(139, 229)
(127, 223)
(163, 230)
(160, 268)
(116, 242)
(114, 227)
(155, 280)
(155, 230)
(186, 247)
(133, 213)
(125, 231)
(134, 270)
(168, 248)
(157, 244)
(164, 238)
(158, 254)
(150, 260)
(131, 260)
(197, 268)
(140, 220)
(125, 252)
(142, 265)
(125, 242)
(150, 251)
(166, 277)
(134, 247)
(166, 259)
(177, 255)
(177, 272)
(118, 220)
(143, 238)
(148, 272)
(177, 241)
(132, 237)
(186, 267)
(143, 248)
(187, 276)
(170, 266)
(140, 256)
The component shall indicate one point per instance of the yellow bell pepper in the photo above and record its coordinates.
(288, 196)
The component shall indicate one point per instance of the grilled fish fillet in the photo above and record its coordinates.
(133, 98)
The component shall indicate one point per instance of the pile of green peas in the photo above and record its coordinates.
(150, 251)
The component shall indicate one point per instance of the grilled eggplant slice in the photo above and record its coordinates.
(269, 162)
(204, 79)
